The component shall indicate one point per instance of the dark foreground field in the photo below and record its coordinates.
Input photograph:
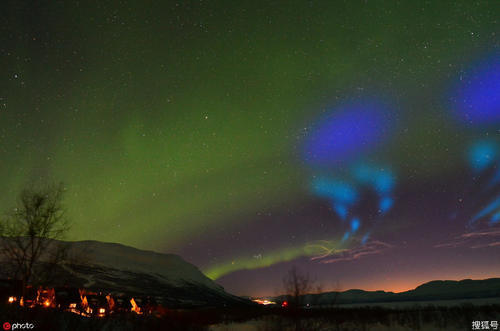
(263, 318)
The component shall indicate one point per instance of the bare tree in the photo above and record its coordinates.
(296, 285)
(31, 233)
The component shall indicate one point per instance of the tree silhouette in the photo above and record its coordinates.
(296, 284)
(30, 233)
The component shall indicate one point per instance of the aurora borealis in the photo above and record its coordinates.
(358, 140)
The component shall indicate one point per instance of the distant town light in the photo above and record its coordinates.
(264, 302)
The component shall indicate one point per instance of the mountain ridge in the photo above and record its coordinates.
(120, 269)
(429, 291)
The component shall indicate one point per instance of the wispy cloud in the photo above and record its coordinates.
(370, 248)
(477, 239)
(493, 244)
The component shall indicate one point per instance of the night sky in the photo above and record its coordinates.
(357, 140)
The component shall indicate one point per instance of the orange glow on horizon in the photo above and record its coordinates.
(401, 284)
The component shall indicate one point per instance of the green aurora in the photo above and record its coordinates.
(170, 119)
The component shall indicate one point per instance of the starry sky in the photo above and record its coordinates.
(357, 140)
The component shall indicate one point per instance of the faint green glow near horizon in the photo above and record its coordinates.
(276, 256)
